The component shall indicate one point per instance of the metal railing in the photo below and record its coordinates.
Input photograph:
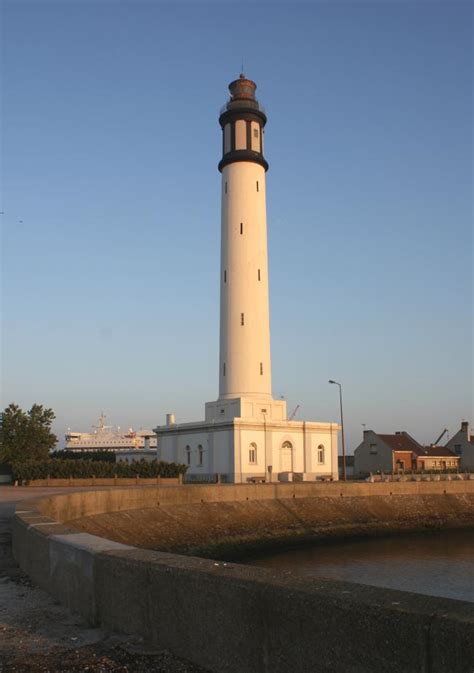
(243, 103)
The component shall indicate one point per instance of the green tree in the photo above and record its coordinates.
(26, 435)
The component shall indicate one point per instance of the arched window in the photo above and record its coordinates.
(253, 453)
(286, 457)
(200, 455)
(321, 454)
(188, 454)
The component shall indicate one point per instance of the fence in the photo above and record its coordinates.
(105, 481)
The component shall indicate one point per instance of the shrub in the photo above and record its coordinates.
(102, 456)
(29, 470)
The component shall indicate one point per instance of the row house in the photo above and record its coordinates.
(400, 452)
(462, 443)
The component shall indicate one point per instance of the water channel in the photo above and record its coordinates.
(437, 564)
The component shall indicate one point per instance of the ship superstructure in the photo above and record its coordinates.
(105, 438)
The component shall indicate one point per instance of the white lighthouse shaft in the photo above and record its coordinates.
(245, 365)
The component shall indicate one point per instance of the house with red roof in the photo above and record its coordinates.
(437, 458)
(400, 451)
(462, 443)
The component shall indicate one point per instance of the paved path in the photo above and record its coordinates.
(39, 635)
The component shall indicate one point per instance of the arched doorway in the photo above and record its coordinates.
(286, 457)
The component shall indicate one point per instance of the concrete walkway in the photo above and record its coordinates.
(37, 634)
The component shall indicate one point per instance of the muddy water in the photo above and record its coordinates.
(437, 564)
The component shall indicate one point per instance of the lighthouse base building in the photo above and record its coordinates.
(246, 435)
(245, 440)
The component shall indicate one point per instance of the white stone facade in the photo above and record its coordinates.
(243, 450)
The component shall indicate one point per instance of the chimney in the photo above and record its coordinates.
(170, 419)
(465, 428)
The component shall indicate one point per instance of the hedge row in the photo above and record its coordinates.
(102, 456)
(82, 469)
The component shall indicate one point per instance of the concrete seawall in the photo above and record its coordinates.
(240, 619)
(232, 530)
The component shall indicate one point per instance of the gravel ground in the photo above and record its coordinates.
(37, 635)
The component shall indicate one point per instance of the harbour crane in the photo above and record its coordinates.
(294, 412)
(441, 437)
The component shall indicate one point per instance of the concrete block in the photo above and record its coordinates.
(19, 539)
(189, 601)
(36, 558)
(280, 626)
(122, 591)
(31, 545)
(71, 563)
(451, 640)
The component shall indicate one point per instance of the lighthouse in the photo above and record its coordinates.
(245, 364)
(245, 375)
(246, 435)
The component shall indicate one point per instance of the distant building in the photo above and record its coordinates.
(462, 444)
(349, 466)
(387, 453)
(136, 455)
(437, 458)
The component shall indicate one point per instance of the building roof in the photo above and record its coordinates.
(402, 442)
(439, 451)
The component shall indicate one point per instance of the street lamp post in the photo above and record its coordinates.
(344, 475)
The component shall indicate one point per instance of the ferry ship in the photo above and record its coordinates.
(104, 438)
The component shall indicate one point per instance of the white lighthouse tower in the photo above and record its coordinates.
(245, 321)
(245, 376)
(246, 435)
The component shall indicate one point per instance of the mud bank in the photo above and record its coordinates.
(234, 530)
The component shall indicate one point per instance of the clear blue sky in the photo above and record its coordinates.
(111, 145)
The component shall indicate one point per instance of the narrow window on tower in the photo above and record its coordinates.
(257, 186)
(242, 321)
(241, 228)
(253, 453)
(223, 369)
(259, 274)
(225, 276)
(261, 369)
(321, 454)
(225, 187)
